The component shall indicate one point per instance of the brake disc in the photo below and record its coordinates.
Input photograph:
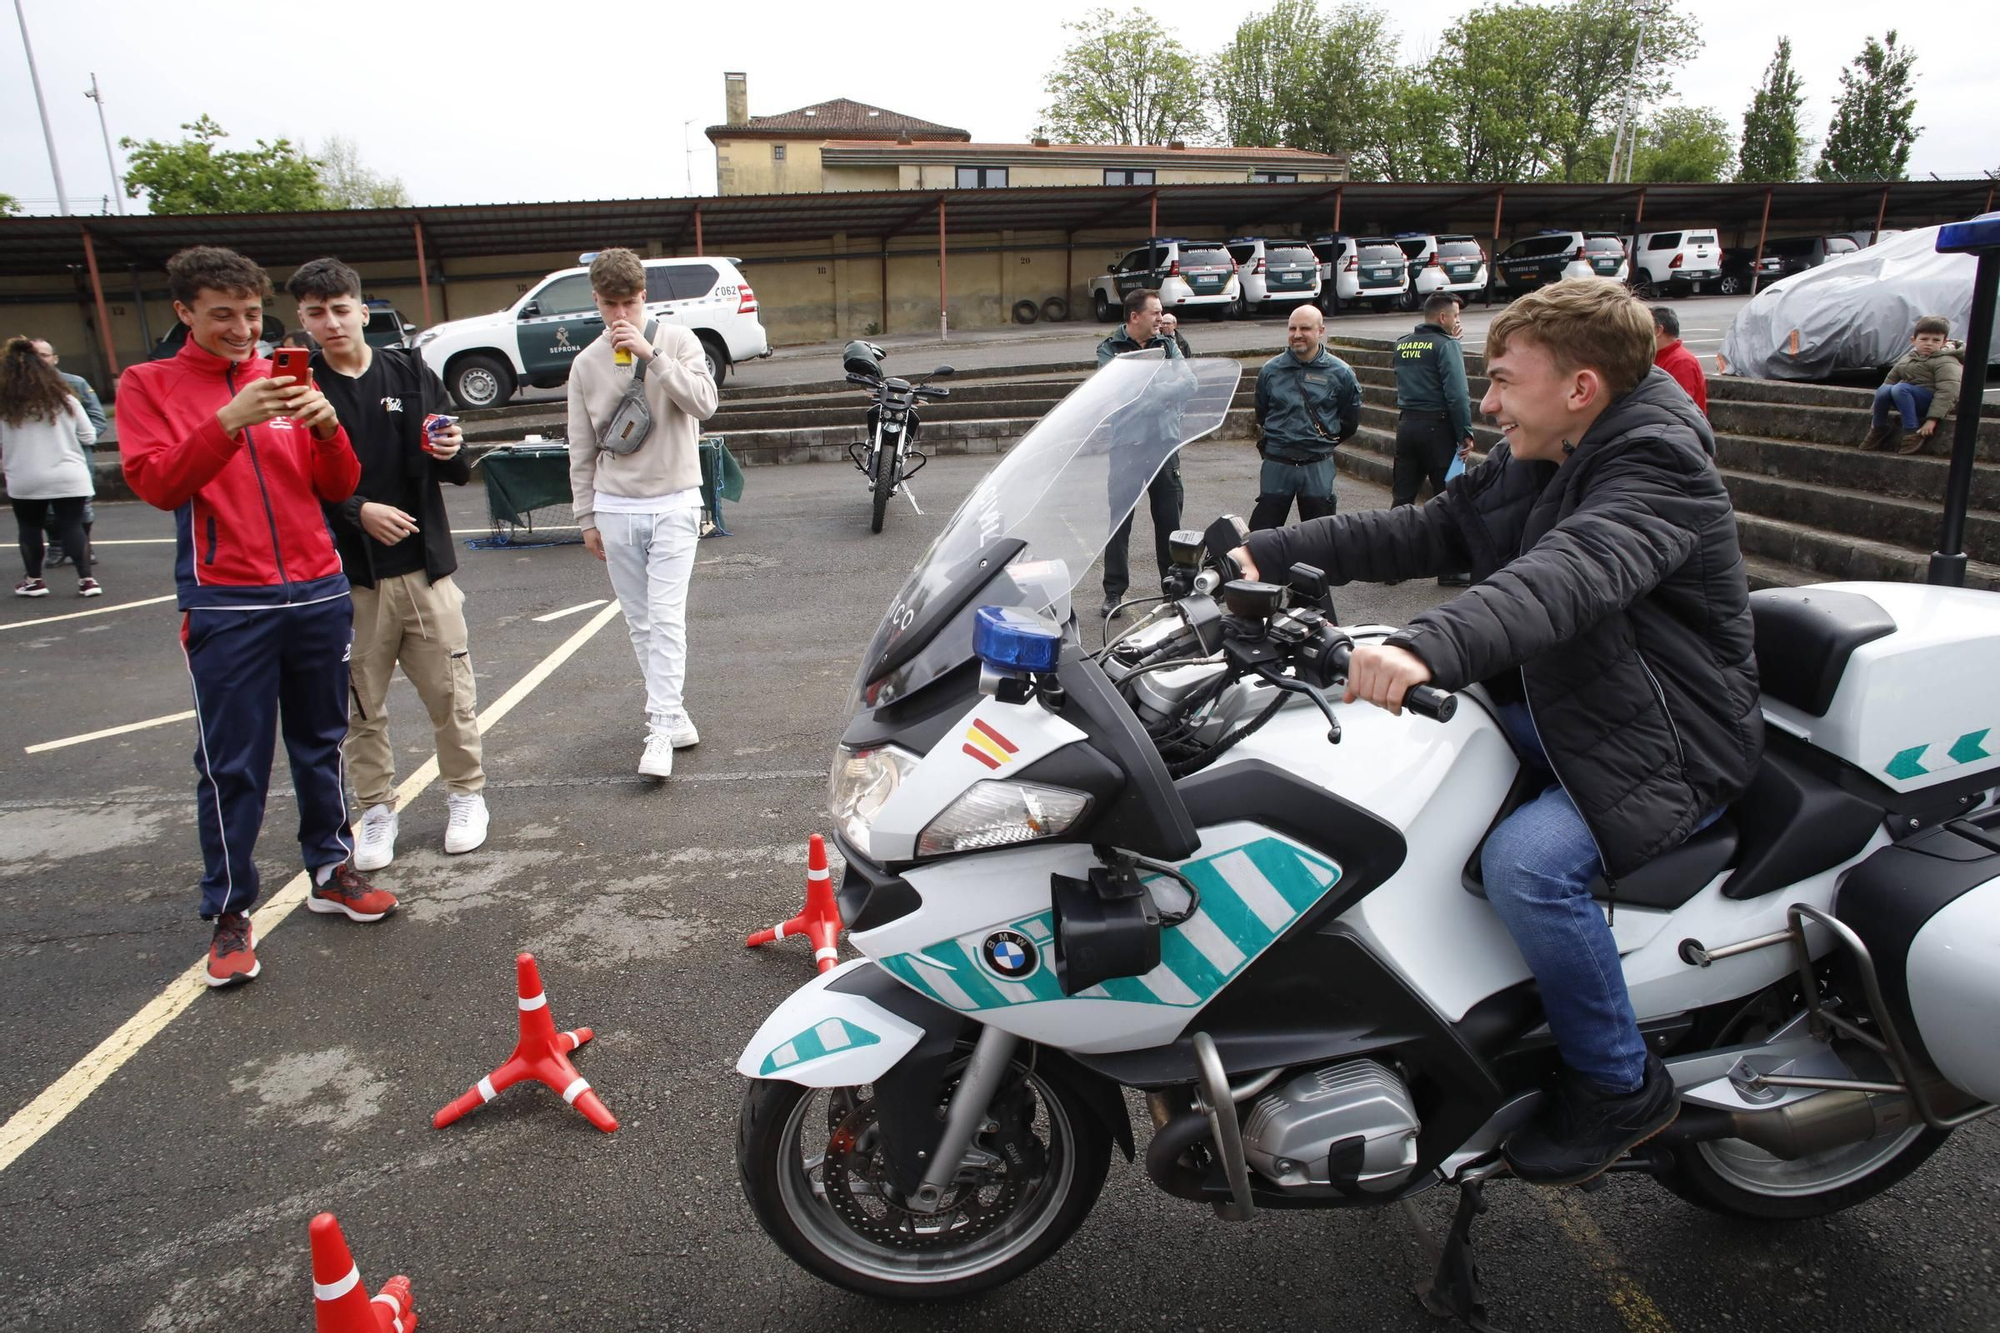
(856, 1180)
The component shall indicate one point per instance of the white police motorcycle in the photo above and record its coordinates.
(1075, 872)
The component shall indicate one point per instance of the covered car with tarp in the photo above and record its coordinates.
(1850, 314)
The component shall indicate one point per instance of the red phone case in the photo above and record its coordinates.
(293, 361)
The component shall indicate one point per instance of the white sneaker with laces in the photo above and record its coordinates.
(658, 761)
(378, 838)
(467, 828)
(680, 727)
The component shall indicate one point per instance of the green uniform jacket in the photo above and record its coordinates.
(1306, 408)
(1121, 342)
(1430, 376)
(1940, 372)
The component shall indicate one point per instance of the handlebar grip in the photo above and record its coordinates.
(1431, 702)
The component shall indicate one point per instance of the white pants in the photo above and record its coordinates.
(651, 558)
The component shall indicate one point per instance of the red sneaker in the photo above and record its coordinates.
(350, 895)
(232, 958)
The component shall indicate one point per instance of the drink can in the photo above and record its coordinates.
(621, 356)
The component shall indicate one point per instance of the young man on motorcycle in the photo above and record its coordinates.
(1609, 619)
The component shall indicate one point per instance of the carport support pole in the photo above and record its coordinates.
(1763, 232)
(105, 317)
(1948, 561)
(1339, 197)
(944, 331)
(1493, 263)
(1638, 220)
(423, 272)
(697, 230)
(1881, 212)
(1153, 215)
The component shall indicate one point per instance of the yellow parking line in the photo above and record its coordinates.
(108, 731)
(53, 1104)
(1633, 1305)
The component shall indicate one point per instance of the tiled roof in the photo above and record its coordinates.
(1115, 150)
(842, 116)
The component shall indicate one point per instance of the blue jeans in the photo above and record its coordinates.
(1911, 400)
(1537, 867)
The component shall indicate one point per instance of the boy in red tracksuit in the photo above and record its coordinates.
(243, 461)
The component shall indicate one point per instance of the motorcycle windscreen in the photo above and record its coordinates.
(1062, 491)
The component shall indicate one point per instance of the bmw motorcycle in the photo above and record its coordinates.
(893, 425)
(1177, 864)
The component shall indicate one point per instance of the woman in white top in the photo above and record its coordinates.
(43, 432)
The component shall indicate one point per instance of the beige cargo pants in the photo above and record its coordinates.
(409, 620)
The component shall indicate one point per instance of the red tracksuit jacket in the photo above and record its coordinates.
(247, 521)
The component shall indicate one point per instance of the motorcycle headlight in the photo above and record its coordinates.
(995, 814)
(861, 783)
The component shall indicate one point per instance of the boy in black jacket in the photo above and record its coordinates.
(395, 541)
(1610, 623)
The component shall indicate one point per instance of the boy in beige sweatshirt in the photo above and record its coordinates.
(641, 512)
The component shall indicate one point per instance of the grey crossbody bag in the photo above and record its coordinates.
(631, 421)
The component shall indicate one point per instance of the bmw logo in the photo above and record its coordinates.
(1010, 953)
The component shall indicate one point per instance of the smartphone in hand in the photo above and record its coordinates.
(293, 361)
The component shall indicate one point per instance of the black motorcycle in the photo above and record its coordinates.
(893, 423)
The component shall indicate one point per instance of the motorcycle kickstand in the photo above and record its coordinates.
(1452, 1291)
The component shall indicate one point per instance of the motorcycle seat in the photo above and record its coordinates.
(1665, 882)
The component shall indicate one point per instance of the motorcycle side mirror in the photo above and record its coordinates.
(942, 373)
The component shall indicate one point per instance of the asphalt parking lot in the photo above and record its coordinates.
(174, 1193)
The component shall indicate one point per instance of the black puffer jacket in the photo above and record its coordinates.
(1614, 583)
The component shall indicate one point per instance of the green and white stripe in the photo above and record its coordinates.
(1249, 896)
(834, 1034)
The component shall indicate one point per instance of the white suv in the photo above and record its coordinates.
(1673, 263)
(1188, 275)
(482, 360)
(1273, 273)
(1442, 264)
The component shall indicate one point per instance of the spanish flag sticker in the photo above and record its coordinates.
(988, 746)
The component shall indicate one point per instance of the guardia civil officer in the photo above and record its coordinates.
(1434, 407)
(1308, 401)
(1140, 331)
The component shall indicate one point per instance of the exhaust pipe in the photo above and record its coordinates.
(1798, 1129)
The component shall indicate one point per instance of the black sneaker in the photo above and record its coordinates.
(1581, 1129)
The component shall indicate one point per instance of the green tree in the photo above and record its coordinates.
(1124, 79)
(1415, 143)
(349, 184)
(194, 176)
(1773, 148)
(1594, 64)
(1299, 77)
(1497, 68)
(9, 205)
(1683, 143)
(1874, 118)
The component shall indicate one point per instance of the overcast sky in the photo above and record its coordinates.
(512, 108)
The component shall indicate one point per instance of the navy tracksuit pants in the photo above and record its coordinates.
(256, 671)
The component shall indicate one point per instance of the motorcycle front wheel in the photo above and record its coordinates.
(811, 1162)
(883, 484)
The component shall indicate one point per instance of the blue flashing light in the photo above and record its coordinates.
(1981, 233)
(1008, 639)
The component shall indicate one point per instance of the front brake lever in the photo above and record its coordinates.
(1292, 685)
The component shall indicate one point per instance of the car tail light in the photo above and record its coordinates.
(1675, 262)
(1433, 261)
(746, 302)
(1174, 269)
(1260, 265)
(1353, 263)
(1582, 256)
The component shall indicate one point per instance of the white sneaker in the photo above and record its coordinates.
(467, 828)
(680, 727)
(378, 838)
(658, 761)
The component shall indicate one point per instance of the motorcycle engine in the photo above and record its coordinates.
(1354, 1118)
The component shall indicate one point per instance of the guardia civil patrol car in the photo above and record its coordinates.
(484, 359)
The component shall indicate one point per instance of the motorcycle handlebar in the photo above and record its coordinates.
(1423, 700)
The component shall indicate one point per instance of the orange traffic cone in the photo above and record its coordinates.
(340, 1303)
(820, 921)
(541, 1054)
